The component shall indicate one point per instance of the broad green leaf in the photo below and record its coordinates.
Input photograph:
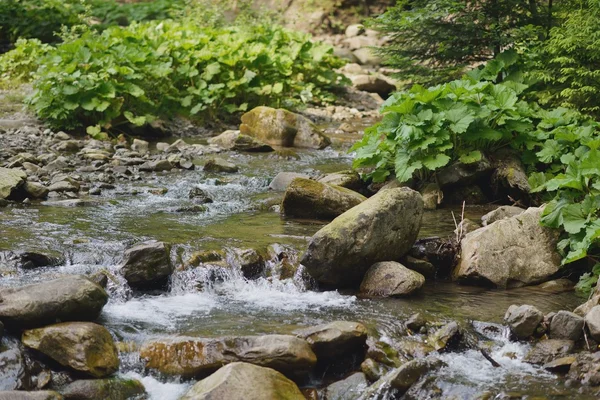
(470, 157)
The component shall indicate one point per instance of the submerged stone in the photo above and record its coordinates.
(390, 279)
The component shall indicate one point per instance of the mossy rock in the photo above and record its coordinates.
(106, 389)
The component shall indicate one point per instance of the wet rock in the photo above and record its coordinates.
(31, 259)
(60, 164)
(3, 203)
(243, 381)
(39, 395)
(379, 84)
(423, 267)
(347, 179)
(106, 389)
(207, 256)
(592, 321)
(412, 348)
(156, 166)
(12, 365)
(36, 190)
(545, 351)
(100, 278)
(459, 174)
(63, 186)
(390, 279)
(162, 146)
(509, 180)
(283, 128)
(11, 180)
(198, 357)
(373, 370)
(560, 365)
(448, 337)
(336, 339)
(415, 322)
(350, 388)
(411, 372)
(83, 346)
(440, 252)
(586, 369)
(65, 299)
(141, 146)
(523, 320)
(556, 286)
(566, 325)
(432, 196)
(509, 253)
(234, 140)
(305, 198)
(199, 196)
(283, 179)
(354, 30)
(384, 227)
(502, 212)
(220, 165)
(147, 265)
(466, 226)
(250, 262)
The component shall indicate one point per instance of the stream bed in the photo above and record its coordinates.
(244, 214)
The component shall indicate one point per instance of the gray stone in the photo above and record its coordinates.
(566, 325)
(354, 30)
(523, 320)
(283, 179)
(147, 265)
(560, 365)
(336, 339)
(545, 351)
(36, 190)
(384, 227)
(350, 388)
(365, 56)
(69, 298)
(105, 389)
(592, 321)
(141, 146)
(432, 196)
(502, 212)
(305, 198)
(11, 179)
(423, 267)
(220, 165)
(39, 395)
(347, 179)
(510, 253)
(462, 174)
(374, 84)
(390, 279)
(448, 337)
(415, 322)
(243, 381)
(156, 166)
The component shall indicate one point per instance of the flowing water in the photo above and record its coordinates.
(93, 237)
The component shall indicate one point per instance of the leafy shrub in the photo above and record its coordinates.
(18, 65)
(40, 19)
(155, 70)
(425, 129)
(111, 13)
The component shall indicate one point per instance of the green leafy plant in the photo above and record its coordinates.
(18, 65)
(155, 70)
(424, 129)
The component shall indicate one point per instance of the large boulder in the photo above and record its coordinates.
(510, 253)
(348, 179)
(283, 179)
(390, 279)
(243, 381)
(502, 212)
(65, 299)
(147, 265)
(106, 389)
(200, 357)
(566, 325)
(382, 228)
(234, 140)
(83, 346)
(279, 127)
(523, 320)
(336, 339)
(305, 198)
(11, 180)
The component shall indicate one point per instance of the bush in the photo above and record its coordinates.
(156, 70)
(39, 19)
(111, 13)
(18, 65)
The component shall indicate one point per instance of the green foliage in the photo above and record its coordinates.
(569, 62)
(432, 41)
(425, 129)
(589, 280)
(40, 19)
(111, 12)
(18, 65)
(155, 70)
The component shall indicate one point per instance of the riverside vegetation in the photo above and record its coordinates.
(245, 258)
